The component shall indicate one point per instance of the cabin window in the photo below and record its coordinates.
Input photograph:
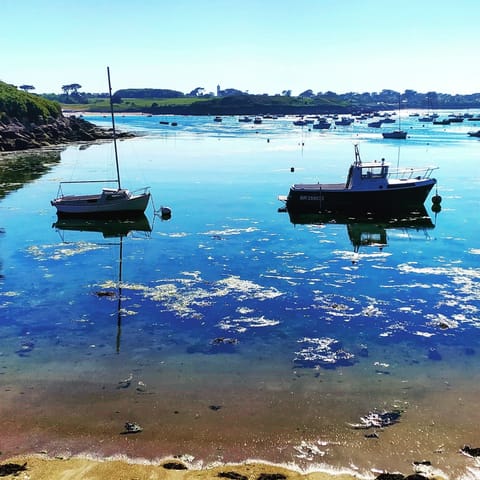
(374, 172)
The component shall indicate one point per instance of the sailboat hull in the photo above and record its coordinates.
(109, 202)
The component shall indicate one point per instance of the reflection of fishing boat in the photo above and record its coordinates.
(111, 228)
(370, 187)
(368, 231)
(111, 201)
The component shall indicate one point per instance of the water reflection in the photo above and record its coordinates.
(371, 230)
(109, 228)
(17, 170)
(113, 227)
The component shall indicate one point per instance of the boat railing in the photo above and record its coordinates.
(409, 173)
(141, 191)
(73, 182)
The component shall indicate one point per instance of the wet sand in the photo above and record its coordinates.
(297, 429)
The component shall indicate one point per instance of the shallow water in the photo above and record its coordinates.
(250, 334)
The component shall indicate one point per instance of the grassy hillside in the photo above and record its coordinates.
(235, 104)
(25, 107)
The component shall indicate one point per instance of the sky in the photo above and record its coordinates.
(259, 46)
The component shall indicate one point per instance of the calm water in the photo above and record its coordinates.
(233, 305)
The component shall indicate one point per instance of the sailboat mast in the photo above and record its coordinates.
(399, 116)
(113, 128)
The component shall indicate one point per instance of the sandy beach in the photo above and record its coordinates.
(66, 441)
(40, 467)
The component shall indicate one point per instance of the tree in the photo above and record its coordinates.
(25, 88)
(307, 94)
(197, 92)
(73, 88)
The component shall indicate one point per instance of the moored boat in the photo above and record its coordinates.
(397, 134)
(321, 124)
(111, 201)
(370, 187)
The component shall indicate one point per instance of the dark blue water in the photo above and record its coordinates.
(230, 284)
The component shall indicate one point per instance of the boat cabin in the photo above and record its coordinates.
(367, 176)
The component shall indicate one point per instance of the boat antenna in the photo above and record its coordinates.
(113, 127)
(358, 160)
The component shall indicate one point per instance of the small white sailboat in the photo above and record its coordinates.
(110, 202)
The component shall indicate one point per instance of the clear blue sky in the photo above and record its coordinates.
(260, 46)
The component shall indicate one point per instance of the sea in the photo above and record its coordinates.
(231, 330)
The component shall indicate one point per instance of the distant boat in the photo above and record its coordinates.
(456, 119)
(321, 124)
(300, 122)
(217, 119)
(112, 201)
(257, 120)
(344, 121)
(389, 120)
(474, 134)
(396, 134)
(370, 188)
(245, 119)
(375, 124)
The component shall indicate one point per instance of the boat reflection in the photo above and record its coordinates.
(109, 228)
(371, 230)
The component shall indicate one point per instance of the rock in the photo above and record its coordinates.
(472, 452)
(12, 469)
(378, 420)
(141, 387)
(390, 476)
(15, 135)
(271, 476)
(174, 466)
(132, 427)
(125, 383)
(232, 476)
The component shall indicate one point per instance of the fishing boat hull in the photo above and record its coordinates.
(318, 198)
(108, 203)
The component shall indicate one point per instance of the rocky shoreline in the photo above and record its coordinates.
(16, 136)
